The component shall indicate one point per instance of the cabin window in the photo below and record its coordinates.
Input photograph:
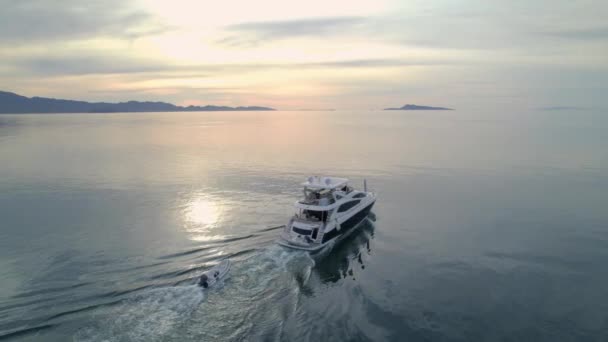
(301, 231)
(346, 206)
(346, 189)
(359, 195)
(316, 215)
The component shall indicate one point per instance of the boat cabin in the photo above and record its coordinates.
(321, 196)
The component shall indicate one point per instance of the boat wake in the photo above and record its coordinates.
(169, 312)
(146, 317)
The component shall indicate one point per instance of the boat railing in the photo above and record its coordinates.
(323, 201)
(320, 233)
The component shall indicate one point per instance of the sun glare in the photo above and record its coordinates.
(202, 217)
(202, 212)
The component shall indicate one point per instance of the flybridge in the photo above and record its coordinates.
(321, 193)
(324, 183)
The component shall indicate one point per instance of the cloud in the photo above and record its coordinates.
(597, 33)
(432, 29)
(25, 21)
(83, 65)
(61, 65)
(361, 63)
(563, 108)
(253, 33)
(379, 63)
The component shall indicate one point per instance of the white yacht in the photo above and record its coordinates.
(330, 210)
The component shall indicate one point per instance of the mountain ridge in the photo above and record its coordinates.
(11, 103)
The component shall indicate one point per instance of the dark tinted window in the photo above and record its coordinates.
(301, 231)
(359, 196)
(347, 205)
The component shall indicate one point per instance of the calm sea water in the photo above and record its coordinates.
(488, 227)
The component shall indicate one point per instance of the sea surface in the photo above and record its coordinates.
(488, 226)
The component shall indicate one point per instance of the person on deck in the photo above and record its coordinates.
(203, 281)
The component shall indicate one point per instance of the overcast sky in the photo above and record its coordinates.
(342, 54)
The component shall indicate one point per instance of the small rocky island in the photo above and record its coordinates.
(416, 107)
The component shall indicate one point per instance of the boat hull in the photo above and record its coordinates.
(349, 224)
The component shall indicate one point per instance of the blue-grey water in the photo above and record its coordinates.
(488, 227)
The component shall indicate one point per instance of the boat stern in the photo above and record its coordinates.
(301, 235)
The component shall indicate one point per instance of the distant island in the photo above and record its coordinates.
(415, 107)
(11, 103)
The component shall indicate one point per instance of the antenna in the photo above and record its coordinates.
(365, 185)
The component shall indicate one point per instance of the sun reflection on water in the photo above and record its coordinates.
(203, 216)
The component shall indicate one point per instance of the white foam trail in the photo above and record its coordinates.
(153, 315)
(274, 260)
(146, 317)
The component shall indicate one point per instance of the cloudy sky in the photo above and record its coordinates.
(342, 54)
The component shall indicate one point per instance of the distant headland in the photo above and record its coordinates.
(11, 103)
(416, 107)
